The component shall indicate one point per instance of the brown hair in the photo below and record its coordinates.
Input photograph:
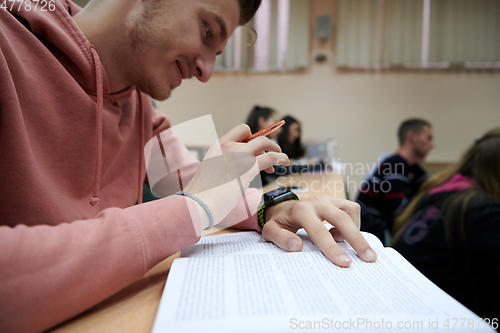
(247, 10)
(291, 149)
(257, 113)
(415, 124)
(480, 162)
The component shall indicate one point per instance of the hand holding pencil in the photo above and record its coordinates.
(266, 131)
(242, 158)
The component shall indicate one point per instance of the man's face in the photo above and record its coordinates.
(172, 40)
(423, 142)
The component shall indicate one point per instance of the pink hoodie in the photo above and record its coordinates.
(71, 170)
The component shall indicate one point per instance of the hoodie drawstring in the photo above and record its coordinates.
(97, 177)
(141, 147)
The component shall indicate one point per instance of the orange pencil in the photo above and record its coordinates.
(266, 131)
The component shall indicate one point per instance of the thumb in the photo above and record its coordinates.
(283, 238)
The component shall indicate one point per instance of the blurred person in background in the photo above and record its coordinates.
(290, 142)
(259, 118)
(395, 181)
(262, 117)
(290, 138)
(451, 231)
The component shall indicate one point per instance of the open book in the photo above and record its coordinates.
(240, 283)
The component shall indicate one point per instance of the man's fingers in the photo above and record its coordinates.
(337, 235)
(267, 160)
(353, 209)
(262, 144)
(304, 215)
(269, 170)
(237, 134)
(343, 222)
(285, 239)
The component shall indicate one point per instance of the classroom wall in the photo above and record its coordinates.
(360, 110)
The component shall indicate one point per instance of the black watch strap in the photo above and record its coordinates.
(272, 198)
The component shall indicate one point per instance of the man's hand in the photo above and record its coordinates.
(228, 168)
(286, 218)
(267, 152)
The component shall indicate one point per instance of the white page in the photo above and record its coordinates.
(372, 240)
(277, 292)
(238, 243)
(247, 242)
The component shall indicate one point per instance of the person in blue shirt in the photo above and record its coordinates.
(397, 178)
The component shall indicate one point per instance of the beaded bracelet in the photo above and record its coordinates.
(205, 207)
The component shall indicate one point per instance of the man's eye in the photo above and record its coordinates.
(208, 32)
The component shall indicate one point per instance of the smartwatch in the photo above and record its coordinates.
(272, 198)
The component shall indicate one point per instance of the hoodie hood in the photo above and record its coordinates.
(59, 32)
(83, 63)
(68, 141)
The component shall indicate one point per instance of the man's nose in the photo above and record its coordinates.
(204, 67)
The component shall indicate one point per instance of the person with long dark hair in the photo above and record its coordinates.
(261, 117)
(290, 138)
(451, 230)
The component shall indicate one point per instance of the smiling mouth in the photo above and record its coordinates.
(178, 80)
(184, 74)
(180, 68)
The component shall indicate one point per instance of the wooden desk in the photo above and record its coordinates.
(134, 308)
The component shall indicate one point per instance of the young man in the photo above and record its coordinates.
(75, 113)
(397, 179)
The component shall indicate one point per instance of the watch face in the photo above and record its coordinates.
(278, 195)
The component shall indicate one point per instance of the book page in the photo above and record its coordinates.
(247, 242)
(372, 240)
(281, 292)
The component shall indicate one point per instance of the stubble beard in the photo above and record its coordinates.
(154, 88)
(140, 42)
(420, 153)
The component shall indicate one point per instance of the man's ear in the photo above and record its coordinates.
(411, 136)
